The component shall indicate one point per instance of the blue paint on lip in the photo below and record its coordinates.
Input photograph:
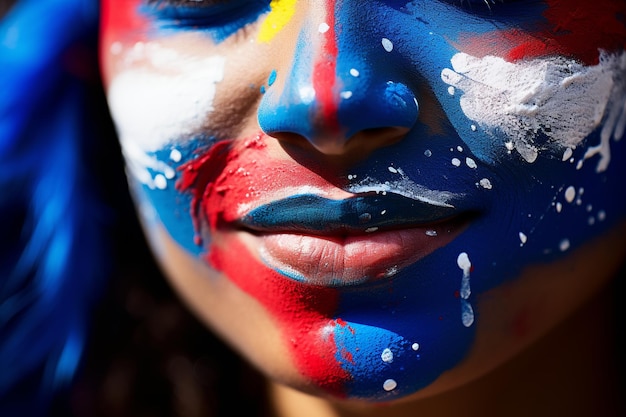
(315, 213)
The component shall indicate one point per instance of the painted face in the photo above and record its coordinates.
(345, 189)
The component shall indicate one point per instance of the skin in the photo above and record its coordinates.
(504, 222)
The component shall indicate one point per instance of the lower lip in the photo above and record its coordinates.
(352, 260)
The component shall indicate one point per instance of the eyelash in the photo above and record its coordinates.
(204, 13)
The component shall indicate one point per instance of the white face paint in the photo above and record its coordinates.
(554, 97)
(163, 96)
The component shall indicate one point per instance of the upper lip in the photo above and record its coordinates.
(362, 213)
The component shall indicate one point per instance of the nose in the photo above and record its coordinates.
(339, 100)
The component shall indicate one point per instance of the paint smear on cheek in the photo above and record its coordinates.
(281, 13)
(534, 103)
(165, 97)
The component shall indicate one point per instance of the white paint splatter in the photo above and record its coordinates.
(473, 127)
(459, 148)
(451, 90)
(470, 163)
(415, 346)
(354, 72)
(390, 385)
(387, 355)
(323, 27)
(456, 162)
(467, 313)
(464, 263)
(523, 238)
(559, 207)
(570, 194)
(387, 44)
(601, 215)
(567, 154)
(431, 233)
(485, 183)
(553, 97)
(168, 98)
(175, 155)
(564, 245)
(392, 170)
(345, 94)
(160, 182)
(428, 153)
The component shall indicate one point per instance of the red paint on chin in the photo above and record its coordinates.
(233, 173)
(302, 312)
(573, 28)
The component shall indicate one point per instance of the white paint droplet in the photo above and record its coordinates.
(431, 233)
(387, 44)
(567, 154)
(428, 153)
(465, 264)
(456, 162)
(160, 181)
(415, 346)
(175, 155)
(467, 313)
(559, 207)
(473, 127)
(345, 94)
(323, 27)
(371, 229)
(354, 72)
(471, 163)
(392, 170)
(387, 355)
(570, 194)
(486, 184)
(523, 238)
(601, 215)
(451, 90)
(390, 385)
(564, 245)
(459, 148)
(169, 173)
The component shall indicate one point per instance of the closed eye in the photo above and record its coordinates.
(204, 13)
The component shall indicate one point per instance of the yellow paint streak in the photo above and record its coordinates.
(281, 12)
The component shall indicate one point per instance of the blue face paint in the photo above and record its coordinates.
(509, 194)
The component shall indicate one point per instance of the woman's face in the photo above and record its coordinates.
(368, 198)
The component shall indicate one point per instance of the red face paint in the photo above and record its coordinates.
(573, 28)
(222, 179)
(324, 73)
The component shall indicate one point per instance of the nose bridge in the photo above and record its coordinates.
(307, 91)
(335, 88)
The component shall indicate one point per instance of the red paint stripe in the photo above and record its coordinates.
(324, 73)
(302, 312)
(574, 28)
